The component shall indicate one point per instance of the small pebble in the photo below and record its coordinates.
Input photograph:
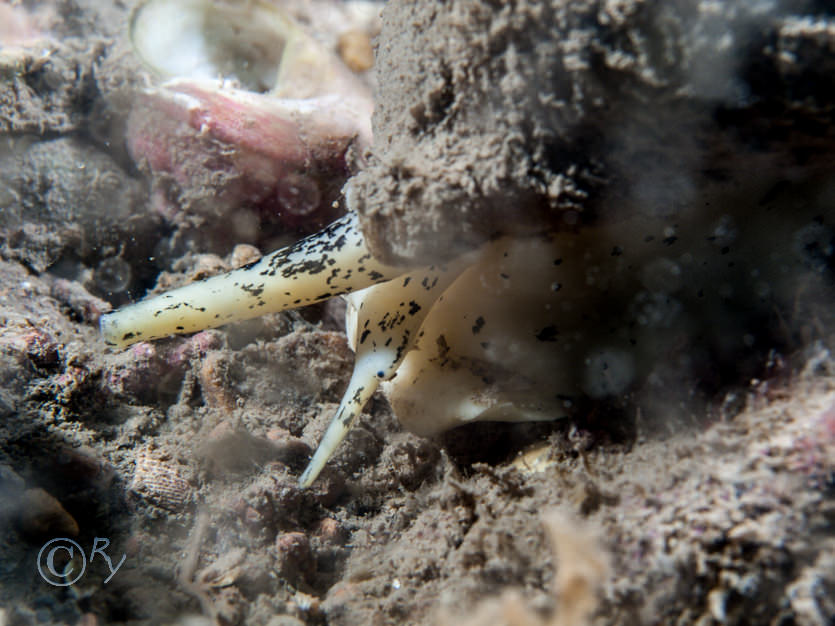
(331, 532)
(213, 376)
(295, 558)
(356, 51)
(242, 254)
(41, 514)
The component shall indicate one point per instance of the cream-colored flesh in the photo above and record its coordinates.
(332, 262)
(382, 323)
(502, 342)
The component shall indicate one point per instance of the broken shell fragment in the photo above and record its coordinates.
(253, 113)
(253, 45)
(202, 39)
(220, 148)
(158, 480)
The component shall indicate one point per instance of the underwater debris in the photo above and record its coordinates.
(252, 115)
(159, 481)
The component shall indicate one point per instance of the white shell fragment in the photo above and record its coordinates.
(251, 44)
(200, 39)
